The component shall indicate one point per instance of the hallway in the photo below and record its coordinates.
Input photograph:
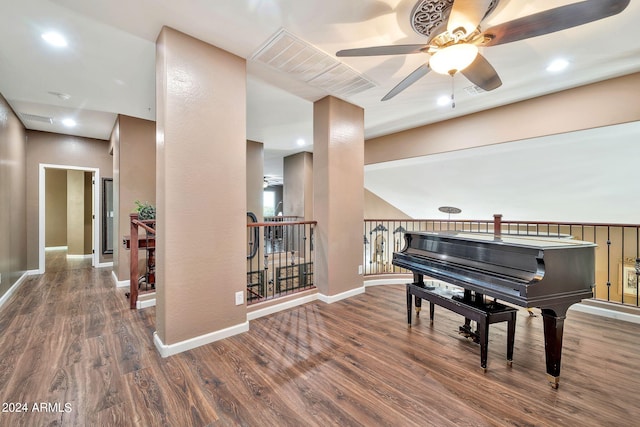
(56, 260)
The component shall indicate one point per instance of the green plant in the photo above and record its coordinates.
(145, 210)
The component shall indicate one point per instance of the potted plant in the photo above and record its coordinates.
(145, 210)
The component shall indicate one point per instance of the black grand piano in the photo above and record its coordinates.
(527, 271)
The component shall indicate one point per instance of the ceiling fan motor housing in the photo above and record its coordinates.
(429, 17)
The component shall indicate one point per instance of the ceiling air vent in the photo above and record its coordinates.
(287, 53)
(36, 118)
(473, 90)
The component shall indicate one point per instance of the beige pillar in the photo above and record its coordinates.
(298, 185)
(255, 178)
(134, 178)
(338, 200)
(200, 193)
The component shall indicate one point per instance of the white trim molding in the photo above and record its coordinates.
(41, 210)
(151, 302)
(252, 315)
(606, 312)
(13, 288)
(120, 283)
(167, 350)
(330, 299)
(389, 281)
(105, 264)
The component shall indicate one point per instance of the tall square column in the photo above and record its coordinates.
(200, 192)
(338, 197)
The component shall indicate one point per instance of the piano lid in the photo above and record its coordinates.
(518, 240)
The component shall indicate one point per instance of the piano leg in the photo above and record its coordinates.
(553, 320)
(418, 279)
(483, 334)
(409, 305)
(511, 334)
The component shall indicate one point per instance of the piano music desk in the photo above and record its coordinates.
(482, 313)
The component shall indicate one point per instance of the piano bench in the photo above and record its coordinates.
(482, 314)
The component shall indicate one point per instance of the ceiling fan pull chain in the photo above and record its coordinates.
(453, 101)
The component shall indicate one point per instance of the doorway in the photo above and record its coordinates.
(68, 210)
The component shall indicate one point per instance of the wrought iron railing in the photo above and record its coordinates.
(617, 254)
(280, 259)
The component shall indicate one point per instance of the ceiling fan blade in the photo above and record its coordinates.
(467, 14)
(400, 49)
(482, 74)
(416, 74)
(552, 20)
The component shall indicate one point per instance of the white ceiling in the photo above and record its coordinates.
(109, 66)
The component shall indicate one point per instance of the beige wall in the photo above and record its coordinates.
(13, 226)
(88, 212)
(134, 178)
(56, 212)
(65, 150)
(298, 185)
(75, 212)
(600, 104)
(377, 208)
(201, 188)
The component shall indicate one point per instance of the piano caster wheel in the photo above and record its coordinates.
(554, 382)
(484, 370)
(510, 363)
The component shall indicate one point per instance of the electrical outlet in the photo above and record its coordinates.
(359, 269)
(239, 298)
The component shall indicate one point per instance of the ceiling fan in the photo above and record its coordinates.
(454, 30)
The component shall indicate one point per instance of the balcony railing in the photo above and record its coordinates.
(617, 254)
(280, 258)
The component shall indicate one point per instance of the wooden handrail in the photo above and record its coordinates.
(144, 224)
(506, 222)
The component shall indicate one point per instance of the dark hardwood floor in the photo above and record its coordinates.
(68, 340)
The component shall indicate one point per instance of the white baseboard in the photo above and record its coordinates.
(390, 281)
(605, 312)
(120, 283)
(151, 302)
(330, 299)
(56, 248)
(171, 349)
(281, 307)
(104, 264)
(34, 272)
(79, 256)
(13, 288)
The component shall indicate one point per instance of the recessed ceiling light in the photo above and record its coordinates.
(69, 123)
(557, 65)
(300, 142)
(54, 39)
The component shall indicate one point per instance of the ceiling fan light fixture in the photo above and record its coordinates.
(454, 58)
(557, 65)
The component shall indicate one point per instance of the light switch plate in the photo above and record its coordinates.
(239, 298)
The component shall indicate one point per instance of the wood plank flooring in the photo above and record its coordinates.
(68, 340)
